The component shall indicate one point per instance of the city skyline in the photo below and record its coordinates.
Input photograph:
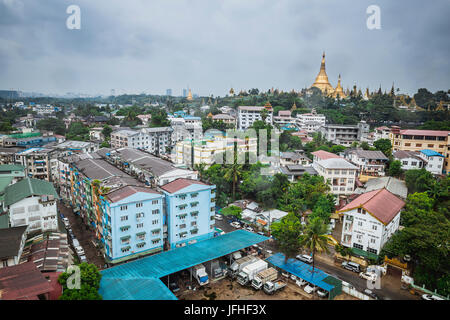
(213, 46)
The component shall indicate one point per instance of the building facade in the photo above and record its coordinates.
(154, 140)
(247, 115)
(345, 135)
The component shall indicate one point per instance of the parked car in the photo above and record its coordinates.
(294, 278)
(285, 274)
(235, 224)
(368, 276)
(66, 222)
(260, 233)
(322, 293)
(371, 294)
(173, 286)
(301, 282)
(305, 258)
(83, 258)
(79, 250)
(249, 229)
(218, 217)
(310, 289)
(431, 297)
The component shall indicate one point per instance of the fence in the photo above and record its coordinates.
(350, 290)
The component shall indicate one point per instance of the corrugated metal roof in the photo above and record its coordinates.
(431, 153)
(135, 289)
(181, 183)
(28, 187)
(323, 155)
(335, 163)
(301, 270)
(127, 191)
(168, 262)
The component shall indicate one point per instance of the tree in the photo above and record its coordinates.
(159, 119)
(201, 169)
(107, 131)
(395, 168)
(52, 124)
(90, 283)
(287, 233)
(384, 145)
(78, 131)
(418, 180)
(314, 238)
(232, 211)
(234, 172)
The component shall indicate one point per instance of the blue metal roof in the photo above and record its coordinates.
(168, 262)
(301, 270)
(431, 153)
(135, 289)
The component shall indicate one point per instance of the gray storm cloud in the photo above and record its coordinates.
(211, 45)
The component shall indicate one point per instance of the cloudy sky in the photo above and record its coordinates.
(148, 46)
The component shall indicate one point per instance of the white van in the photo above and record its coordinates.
(352, 266)
(305, 258)
(75, 243)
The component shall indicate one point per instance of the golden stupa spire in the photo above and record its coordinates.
(339, 90)
(321, 81)
(189, 97)
(294, 107)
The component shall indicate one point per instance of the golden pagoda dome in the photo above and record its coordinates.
(210, 115)
(294, 107)
(339, 90)
(232, 91)
(440, 106)
(268, 106)
(321, 81)
(189, 97)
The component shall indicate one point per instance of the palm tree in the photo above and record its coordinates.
(315, 237)
(234, 172)
(200, 167)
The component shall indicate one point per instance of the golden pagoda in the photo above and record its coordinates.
(189, 97)
(231, 92)
(321, 81)
(268, 106)
(294, 107)
(440, 106)
(210, 115)
(339, 90)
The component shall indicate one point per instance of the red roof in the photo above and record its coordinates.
(435, 133)
(323, 155)
(382, 204)
(127, 191)
(180, 183)
(22, 282)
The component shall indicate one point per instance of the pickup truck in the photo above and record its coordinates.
(309, 289)
(368, 276)
(271, 287)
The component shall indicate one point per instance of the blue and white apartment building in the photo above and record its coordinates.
(190, 211)
(133, 222)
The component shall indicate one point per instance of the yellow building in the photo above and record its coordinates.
(416, 140)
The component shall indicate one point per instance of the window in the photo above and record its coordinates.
(414, 163)
(357, 246)
(140, 245)
(407, 144)
(155, 211)
(155, 202)
(418, 144)
(374, 227)
(124, 218)
(140, 225)
(155, 222)
(156, 241)
(359, 223)
(139, 215)
(405, 163)
(372, 240)
(182, 226)
(126, 249)
(139, 205)
(122, 208)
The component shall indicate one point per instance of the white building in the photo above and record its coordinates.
(32, 202)
(190, 152)
(434, 160)
(338, 172)
(344, 134)
(370, 163)
(409, 159)
(311, 122)
(370, 220)
(381, 133)
(247, 115)
(153, 140)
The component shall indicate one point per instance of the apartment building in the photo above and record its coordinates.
(434, 161)
(208, 151)
(370, 220)
(247, 115)
(284, 118)
(381, 133)
(311, 122)
(132, 223)
(416, 140)
(190, 211)
(32, 202)
(336, 171)
(369, 163)
(37, 162)
(147, 168)
(225, 118)
(154, 140)
(345, 135)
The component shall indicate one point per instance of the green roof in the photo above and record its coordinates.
(11, 167)
(4, 182)
(28, 187)
(364, 254)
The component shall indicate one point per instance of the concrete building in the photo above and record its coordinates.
(37, 162)
(69, 147)
(311, 122)
(190, 211)
(208, 151)
(381, 133)
(154, 140)
(294, 158)
(247, 115)
(370, 163)
(416, 140)
(409, 159)
(132, 223)
(370, 220)
(434, 160)
(345, 134)
(225, 118)
(12, 241)
(32, 202)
